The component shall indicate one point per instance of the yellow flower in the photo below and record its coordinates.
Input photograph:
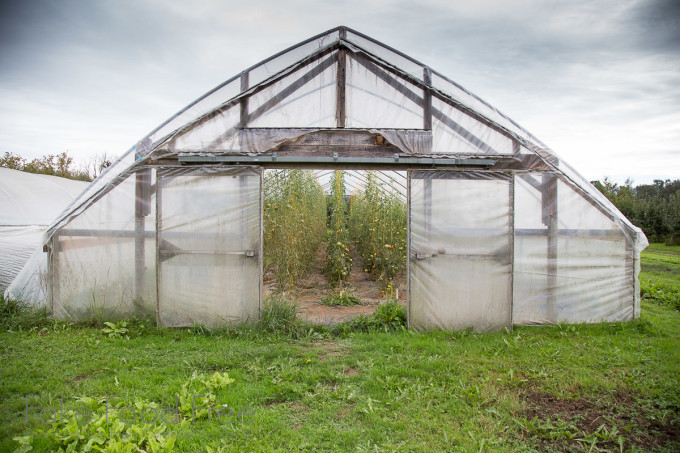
(309, 360)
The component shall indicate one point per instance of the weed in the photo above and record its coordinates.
(19, 315)
(279, 315)
(116, 330)
(344, 299)
(388, 317)
(660, 293)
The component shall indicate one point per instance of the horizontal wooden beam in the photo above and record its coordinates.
(395, 161)
(572, 232)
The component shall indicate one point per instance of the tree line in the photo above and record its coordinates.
(58, 165)
(653, 207)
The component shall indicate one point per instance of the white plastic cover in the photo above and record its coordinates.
(460, 250)
(289, 91)
(28, 203)
(207, 255)
(572, 262)
(92, 271)
(209, 250)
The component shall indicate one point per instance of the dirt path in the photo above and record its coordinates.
(311, 289)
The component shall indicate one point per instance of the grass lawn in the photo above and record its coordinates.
(603, 387)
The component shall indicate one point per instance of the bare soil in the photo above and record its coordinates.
(309, 291)
(637, 425)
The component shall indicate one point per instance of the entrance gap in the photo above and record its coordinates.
(335, 241)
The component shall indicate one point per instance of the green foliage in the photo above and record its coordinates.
(551, 388)
(660, 293)
(51, 164)
(113, 425)
(388, 317)
(343, 299)
(294, 223)
(279, 315)
(338, 260)
(566, 387)
(653, 207)
(378, 225)
(18, 315)
(116, 330)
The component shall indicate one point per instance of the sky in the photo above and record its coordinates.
(598, 81)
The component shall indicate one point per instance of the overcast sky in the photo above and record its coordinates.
(596, 80)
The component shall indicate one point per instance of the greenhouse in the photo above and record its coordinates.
(498, 230)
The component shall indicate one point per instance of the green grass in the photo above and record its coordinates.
(597, 387)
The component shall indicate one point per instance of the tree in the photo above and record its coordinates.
(653, 207)
(51, 164)
(97, 164)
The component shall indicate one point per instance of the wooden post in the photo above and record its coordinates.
(142, 205)
(53, 270)
(159, 271)
(427, 99)
(427, 204)
(340, 86)
(243, 122)
(511, 245)
(549, 205)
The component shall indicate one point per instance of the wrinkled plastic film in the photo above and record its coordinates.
(209, 233)
(93, 260)
(374, 103)
(460, 256)
(28, 203)
(574, 267)
(17, 244)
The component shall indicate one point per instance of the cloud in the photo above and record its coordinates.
(588, 78)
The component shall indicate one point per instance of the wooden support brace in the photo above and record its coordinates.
(340, 102)
(142, 209)
(549, 207)
(427, 99)
(243, 122)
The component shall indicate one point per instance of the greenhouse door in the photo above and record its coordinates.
(209, 245)
(460, 263)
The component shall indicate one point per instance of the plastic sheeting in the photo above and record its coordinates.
(209, 249)
(93, 257)
(28, 203)
(460, 250)
(486, 255)
(533, 242)
(188, 252)
(572, 262)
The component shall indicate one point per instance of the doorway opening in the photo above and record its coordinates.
(335, 241)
